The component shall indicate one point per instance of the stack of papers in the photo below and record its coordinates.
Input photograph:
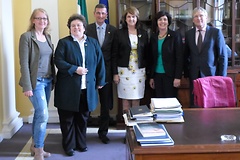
(161, 103)
(131, 122)
(152, 134)
(167, 109)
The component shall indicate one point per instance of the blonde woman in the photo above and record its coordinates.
(37, 75)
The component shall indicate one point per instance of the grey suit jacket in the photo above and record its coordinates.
(212, 60)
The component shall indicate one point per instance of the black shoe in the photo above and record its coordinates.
(104, 139)
(70, 152)
(124, 140)
(83, 149)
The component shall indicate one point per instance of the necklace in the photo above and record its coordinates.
(163, 36)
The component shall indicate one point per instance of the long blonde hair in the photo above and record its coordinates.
(32, 25)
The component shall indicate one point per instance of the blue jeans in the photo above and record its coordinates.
(40, 99)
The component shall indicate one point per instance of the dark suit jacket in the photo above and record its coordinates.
(172, 54)
(212, 60)
(122, 49)
(106, 47)
(68, 87)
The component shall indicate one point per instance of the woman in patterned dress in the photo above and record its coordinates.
(129, 59)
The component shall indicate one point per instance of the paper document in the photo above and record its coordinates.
(165, 103)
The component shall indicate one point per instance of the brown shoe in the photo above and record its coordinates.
(38, 154)
(45, 154)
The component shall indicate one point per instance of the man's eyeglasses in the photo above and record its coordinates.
(40, 18)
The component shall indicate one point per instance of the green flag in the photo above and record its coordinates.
(83, 8)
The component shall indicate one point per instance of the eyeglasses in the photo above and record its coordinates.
(40, 18)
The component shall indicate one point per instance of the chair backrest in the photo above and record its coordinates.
(214, 91)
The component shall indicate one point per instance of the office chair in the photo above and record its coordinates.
(214, 91)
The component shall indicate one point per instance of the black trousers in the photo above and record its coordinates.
(106, 101)
(74, 125)
(164, 86)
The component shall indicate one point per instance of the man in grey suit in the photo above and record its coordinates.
(205, 50)
(104, 33)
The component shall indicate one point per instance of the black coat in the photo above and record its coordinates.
(106, 47)
(68, 86)
(172, 54)
(122, 49)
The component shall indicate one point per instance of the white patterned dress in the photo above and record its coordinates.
(132, 79)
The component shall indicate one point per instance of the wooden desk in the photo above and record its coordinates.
(198, 138)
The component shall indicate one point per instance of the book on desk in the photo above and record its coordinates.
(140, 112)
(154, 139)
(151, 129)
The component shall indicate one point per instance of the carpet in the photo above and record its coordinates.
(115, 150)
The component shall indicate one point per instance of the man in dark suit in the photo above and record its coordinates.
(104, 33)
(205, 50)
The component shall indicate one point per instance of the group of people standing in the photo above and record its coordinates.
(95, 55)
